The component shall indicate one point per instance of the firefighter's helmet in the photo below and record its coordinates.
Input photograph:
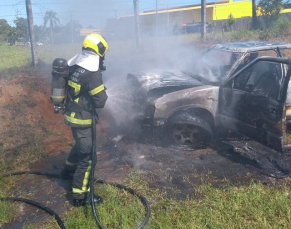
(97, 43)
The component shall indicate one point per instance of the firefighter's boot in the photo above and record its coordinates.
(87, 201)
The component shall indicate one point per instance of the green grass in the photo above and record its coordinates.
(48, 53)
(13, 56)
(22, 157)
(49, 223)
(119, 210)
(246, 206)
(23, 153)
(7, 212)
(7, 208)
(253, 206)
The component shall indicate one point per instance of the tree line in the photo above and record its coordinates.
(50, 32)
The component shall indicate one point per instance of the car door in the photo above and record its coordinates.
(252, 102)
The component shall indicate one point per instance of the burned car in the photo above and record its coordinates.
(241, 87)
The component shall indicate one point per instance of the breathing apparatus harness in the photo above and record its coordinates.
(60, 73)
(58, 97)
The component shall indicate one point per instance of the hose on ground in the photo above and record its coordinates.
(58, 219)
(92, 181)
(92, 171)
(39, 205)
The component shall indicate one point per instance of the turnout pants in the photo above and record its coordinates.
(79, 161)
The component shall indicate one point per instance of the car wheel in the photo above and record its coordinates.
(196, 134)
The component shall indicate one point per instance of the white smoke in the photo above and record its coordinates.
(92, 13)
(162, 54)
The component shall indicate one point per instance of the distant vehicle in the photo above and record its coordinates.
(194, 27)
(108, 34)
(241, 87)
(37, 43)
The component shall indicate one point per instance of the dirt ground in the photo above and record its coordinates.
(25, 107)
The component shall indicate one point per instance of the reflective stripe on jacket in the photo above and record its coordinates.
(91, 90)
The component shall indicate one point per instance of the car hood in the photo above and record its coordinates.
(163, 80)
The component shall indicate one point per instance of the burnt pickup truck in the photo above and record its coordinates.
(241, 87)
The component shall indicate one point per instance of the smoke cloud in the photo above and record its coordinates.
(153, 56)
(95, 13)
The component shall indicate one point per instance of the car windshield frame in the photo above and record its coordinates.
(217, 68)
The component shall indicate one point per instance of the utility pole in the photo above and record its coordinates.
(156, 17)
(203, 19)
(115, 13)
(136, 14)
(254, 15)
(168, 16)
(31, 32)
(72, 29)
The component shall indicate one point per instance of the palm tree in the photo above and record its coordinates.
(51, 17)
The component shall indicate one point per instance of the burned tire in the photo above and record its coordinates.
(188, 130)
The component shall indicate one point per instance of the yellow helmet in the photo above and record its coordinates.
(96, 42)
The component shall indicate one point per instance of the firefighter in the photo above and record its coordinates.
(85, 93)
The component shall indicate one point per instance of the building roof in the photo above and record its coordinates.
(186, 7)
(177, 8)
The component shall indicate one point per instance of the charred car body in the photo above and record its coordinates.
(242, 87)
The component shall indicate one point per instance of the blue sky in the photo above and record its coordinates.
(87, 12)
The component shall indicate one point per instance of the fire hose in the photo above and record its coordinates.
(92, 182)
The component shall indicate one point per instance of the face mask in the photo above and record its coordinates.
(101, 64)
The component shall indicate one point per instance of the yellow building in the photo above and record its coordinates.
(237, 9)
(167, 18)
(284, 11)
(218, 10)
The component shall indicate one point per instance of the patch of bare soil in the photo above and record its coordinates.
(26, 109)
(177, 171)
(25, 106)
(28, 118)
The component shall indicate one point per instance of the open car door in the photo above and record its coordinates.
(252, 101)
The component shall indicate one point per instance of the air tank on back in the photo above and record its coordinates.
(59, 82)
